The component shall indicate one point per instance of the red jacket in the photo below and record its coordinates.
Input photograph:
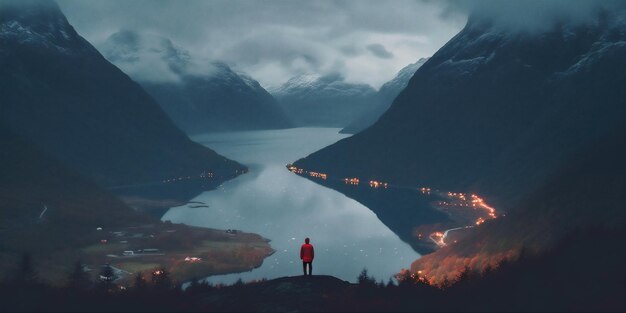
(306, 253)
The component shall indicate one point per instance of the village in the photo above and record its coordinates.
(465, 210)
(184, 252)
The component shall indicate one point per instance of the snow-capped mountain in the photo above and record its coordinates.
(384, 97)
(392, 88)
(198, 95)
(58, 93)
(314, 100)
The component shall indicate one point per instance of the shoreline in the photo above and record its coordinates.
(186, 252)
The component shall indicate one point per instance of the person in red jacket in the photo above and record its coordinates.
(306, 255)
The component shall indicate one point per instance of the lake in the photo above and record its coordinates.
(285, 208)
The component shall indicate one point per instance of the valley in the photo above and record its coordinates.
(306, 156)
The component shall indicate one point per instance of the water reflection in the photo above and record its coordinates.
(285, 208)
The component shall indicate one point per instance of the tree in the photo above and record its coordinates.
(26, 271)
(140, 282)
(365, 280)
(107, 276)
(390, 283)
(161, 278)
(78, 280)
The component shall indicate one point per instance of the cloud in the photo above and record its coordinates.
(536, 15)
(275, 40)
(379, 51)
(152, 58)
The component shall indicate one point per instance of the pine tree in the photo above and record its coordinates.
(381, 284)
(78, 280)
(140, 282)
(26, 271)
(366, 280)
(390, 283)
(107, 275)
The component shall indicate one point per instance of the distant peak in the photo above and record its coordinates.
(39, 23)
(31, 11)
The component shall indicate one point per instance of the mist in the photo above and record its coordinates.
(536, 15)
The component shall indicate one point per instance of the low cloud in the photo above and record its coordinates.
(275, 40)
(152, 58)
(379, 51)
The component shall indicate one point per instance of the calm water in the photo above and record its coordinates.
(286, 208)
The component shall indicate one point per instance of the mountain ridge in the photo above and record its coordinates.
(323, 100)
(384, 98)
(57, 88)
(199, 95)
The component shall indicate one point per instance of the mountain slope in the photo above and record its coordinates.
(59, 93)
(384, 97)
(44, 206)
(586, 195)
(493, 112)
(312, 100)
(198, 96)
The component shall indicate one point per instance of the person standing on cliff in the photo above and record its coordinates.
(306, 255)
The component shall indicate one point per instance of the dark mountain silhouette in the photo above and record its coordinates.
(494, 111)
(60, 94)
(585, 194)
(313, 100)
(384, 97)
(198, 95)
(44, 206)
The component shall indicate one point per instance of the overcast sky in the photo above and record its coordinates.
(365, 41)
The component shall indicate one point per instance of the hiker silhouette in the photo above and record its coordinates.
(306, 255)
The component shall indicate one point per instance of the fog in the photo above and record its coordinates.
(364, 41)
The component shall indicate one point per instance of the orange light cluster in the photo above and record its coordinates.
(459, 195)
(437, 238)
(479, 202)
(444, 203)
(378, 184)
(318, 175)
(295, 169)
(351, 181)
(479, 221)
(425, 190)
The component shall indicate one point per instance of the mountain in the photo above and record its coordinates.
(45, 207)
(494, 111)
(313, 100)
(199, 96)
(585, 197)
(58, 93)
(384, 97)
